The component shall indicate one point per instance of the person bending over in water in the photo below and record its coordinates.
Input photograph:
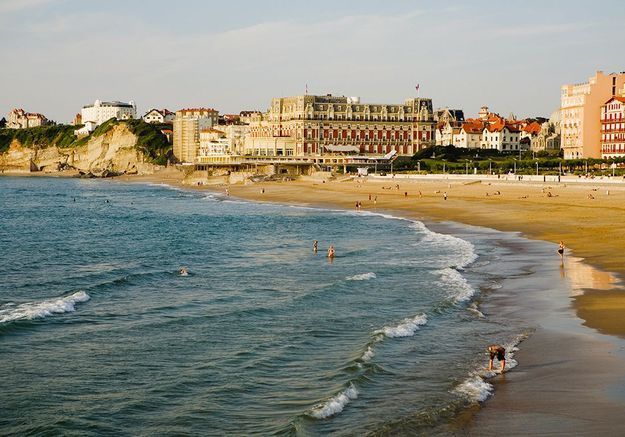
(500, 353)
(331, 252)
(561, 250)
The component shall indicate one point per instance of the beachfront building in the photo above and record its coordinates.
(549, 136)
(316, 125)
(580, 112)
(159, 116)
(469, 135)
(20, 119)
(613, 128)
(502, 137)
(101, 111)
(188, 123)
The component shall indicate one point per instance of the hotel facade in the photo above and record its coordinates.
(188, 123)
(580, 114)
(318, 125)
(613, 128)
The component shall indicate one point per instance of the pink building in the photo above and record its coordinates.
(613, 128)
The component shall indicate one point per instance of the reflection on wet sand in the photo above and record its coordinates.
(598, 296)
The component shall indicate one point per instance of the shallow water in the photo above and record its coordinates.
(100, 334)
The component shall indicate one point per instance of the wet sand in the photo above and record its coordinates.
(571, 377)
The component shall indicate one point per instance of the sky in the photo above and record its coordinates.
(58, 55)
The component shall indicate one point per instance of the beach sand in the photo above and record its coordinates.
(570, 379)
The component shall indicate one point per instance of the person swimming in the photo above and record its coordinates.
(315, 246)
(331, 252)
(183, 271)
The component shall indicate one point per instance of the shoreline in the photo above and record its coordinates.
(575, 363)
(569, 379)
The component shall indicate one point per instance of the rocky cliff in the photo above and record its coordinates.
(112, 152)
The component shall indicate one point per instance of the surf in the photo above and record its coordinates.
(36, 310)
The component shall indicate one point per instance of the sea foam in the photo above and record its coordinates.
(335, 404)
(362, 277)
(460, 289)
(475, 387)
(406, 328)
(36, 310)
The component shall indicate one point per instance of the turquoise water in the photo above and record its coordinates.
(99, 334)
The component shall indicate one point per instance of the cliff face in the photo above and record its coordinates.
(113, 152)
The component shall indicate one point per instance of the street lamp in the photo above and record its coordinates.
(466, 170)
(514, 165)
(537, 167)
(490, 166)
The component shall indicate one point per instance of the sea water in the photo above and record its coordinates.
(100, 334)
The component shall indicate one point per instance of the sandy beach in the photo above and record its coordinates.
(570, 375)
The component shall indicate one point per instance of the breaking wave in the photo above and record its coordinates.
(335, 404)
(461, 290)
(475, 388)
(45, 308)
(362, 277)
(406, 328)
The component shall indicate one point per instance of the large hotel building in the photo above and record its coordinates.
(580, 114)
(317, 125)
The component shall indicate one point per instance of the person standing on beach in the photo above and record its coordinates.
(498, 351)
(561, 250)
(445, 195)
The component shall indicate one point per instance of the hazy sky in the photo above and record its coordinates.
(57, 55)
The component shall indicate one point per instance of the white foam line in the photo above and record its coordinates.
(406, 328)
(362, 277)
(36, 310)
(475, 387)
(367, 355)
(460, 289)
(335, 404)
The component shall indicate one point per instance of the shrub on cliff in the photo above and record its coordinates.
(39, 137)
(151, 141)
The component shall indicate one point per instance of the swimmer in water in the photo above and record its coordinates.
(183, 271)
(331, 252)
(315, 246)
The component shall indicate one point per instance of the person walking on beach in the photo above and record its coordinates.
(445, 195)
(561, 250)
(498, 351)
(315, 246)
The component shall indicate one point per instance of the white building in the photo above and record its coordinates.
(101, 111)
(86, 129)
(159, 116)
(469, 136)
(501, 137)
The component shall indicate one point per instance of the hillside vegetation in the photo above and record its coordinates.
(150, 141)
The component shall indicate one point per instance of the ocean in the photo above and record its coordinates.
(100, 334)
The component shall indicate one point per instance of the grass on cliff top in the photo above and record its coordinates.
(39, 137)
(150, 140)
